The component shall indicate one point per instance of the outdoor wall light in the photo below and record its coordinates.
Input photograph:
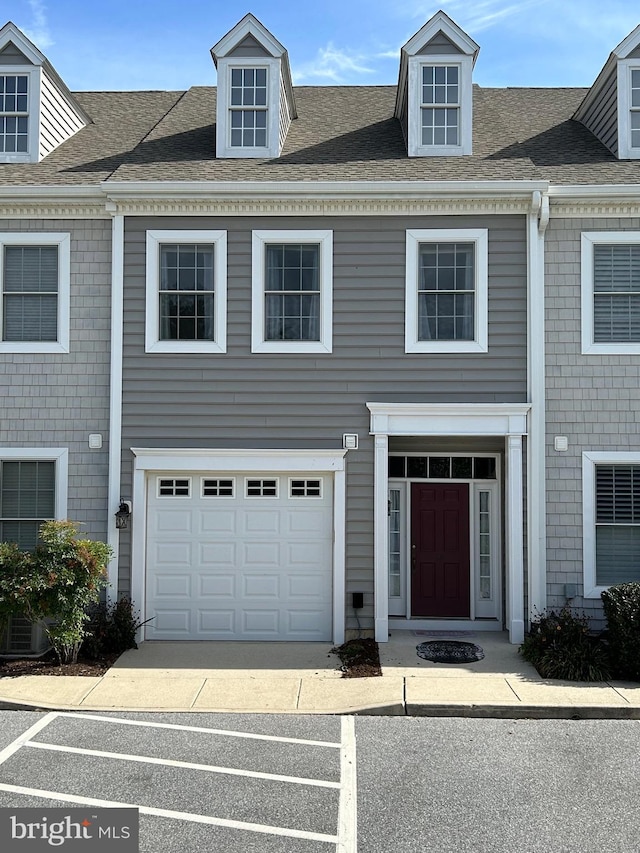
(123, 515)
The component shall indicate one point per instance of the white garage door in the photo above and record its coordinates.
(239, 557)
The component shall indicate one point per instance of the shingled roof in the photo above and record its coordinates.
(342, 133)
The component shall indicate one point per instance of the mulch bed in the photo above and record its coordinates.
(360, 658)
(48, 665)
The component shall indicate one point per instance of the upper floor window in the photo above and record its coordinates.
(440, 106)
(446, 291)
(34, 278)
(292, 291)
(610, 292)
(14, 113)
(186, 291)
(248, 108)
(635, 108)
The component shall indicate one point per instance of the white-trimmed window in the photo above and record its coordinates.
(610, 281)
(440, 106)
(628, 109)
(35, 284)
(611, 519)
(446, 290)
(186, 291)
(14, 114)
(248, 108)
(33, 489)
(292, 283)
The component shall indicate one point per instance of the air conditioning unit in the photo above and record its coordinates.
(23, 637)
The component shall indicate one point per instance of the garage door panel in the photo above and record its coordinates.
(220, 586)
(172, 586)
(261, 586)
(247, 568)
(213, 519)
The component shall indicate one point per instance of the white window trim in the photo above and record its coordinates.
(152, 312)
(414, 142)
(588, 240)
(625, 151)
(32, 155)
(260, 239)
(63, 242)
(223, 108)
(589, 462)
(480, 238)
(59, 455)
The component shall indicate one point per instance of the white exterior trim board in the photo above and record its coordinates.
(115, 400)
(59, 455)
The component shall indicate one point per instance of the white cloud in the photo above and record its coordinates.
(332, 65)
(475, 17)
(39, 32)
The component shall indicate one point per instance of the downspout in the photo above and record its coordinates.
(538, 219)
(115, 394)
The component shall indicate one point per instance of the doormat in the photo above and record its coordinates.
(449, 651)
(443, 633)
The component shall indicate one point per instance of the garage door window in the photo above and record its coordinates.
(262, 488)
(214, 488)
(174, 488)
(305, 488)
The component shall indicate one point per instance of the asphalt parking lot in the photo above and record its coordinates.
(273, 788)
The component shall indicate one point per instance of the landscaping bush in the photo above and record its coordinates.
(57, 581)
(111, 629)
(622, 609)
(560, 645)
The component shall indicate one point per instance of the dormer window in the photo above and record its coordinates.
(635, 108)
(440, 105)
(434, 100)
(249, 108)
(255, 104)
(14, 113)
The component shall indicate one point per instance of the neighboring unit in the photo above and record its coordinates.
(326, 340)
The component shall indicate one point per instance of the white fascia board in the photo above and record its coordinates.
(224, 459)
(628, 44)
(449, 418)
(441, 22)
(11, 33)
(58, 193)
(593, 191)
(249, 25)
(119, 190)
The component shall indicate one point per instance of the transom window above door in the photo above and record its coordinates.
(292, 291)
(447, 291)
(186, 291)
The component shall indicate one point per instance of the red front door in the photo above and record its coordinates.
(440, 584)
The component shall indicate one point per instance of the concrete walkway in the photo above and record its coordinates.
(305, 678)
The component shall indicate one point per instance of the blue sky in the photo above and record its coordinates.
(157, 44)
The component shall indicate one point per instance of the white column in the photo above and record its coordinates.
(514, 540)
(381, 537)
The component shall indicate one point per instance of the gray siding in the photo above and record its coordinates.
(240, 400)
(56, 400)
(59, 119)
(249, 47)
(601, 116)
(592, 399)
(10, 55)
(439, 45)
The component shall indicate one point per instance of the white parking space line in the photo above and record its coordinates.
(20, 741)
(150, 725)
(187, 765)
(348, 815)
(193, 818)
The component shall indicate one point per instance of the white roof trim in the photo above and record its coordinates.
(10, 33)
(441, 22)
(249, 25)
(628, 44)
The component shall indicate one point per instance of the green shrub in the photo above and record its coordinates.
(111, 629)
(57, 581)
(559, 645)
(622, 609)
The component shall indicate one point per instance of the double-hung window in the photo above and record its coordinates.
(292, 291)
(611, 495)
(446, 291)
(440, 105)
(610, 279)
(186, 291)
(35, 280)
(635, 109)
(14, 113)
(628, 104)
(248, 108)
